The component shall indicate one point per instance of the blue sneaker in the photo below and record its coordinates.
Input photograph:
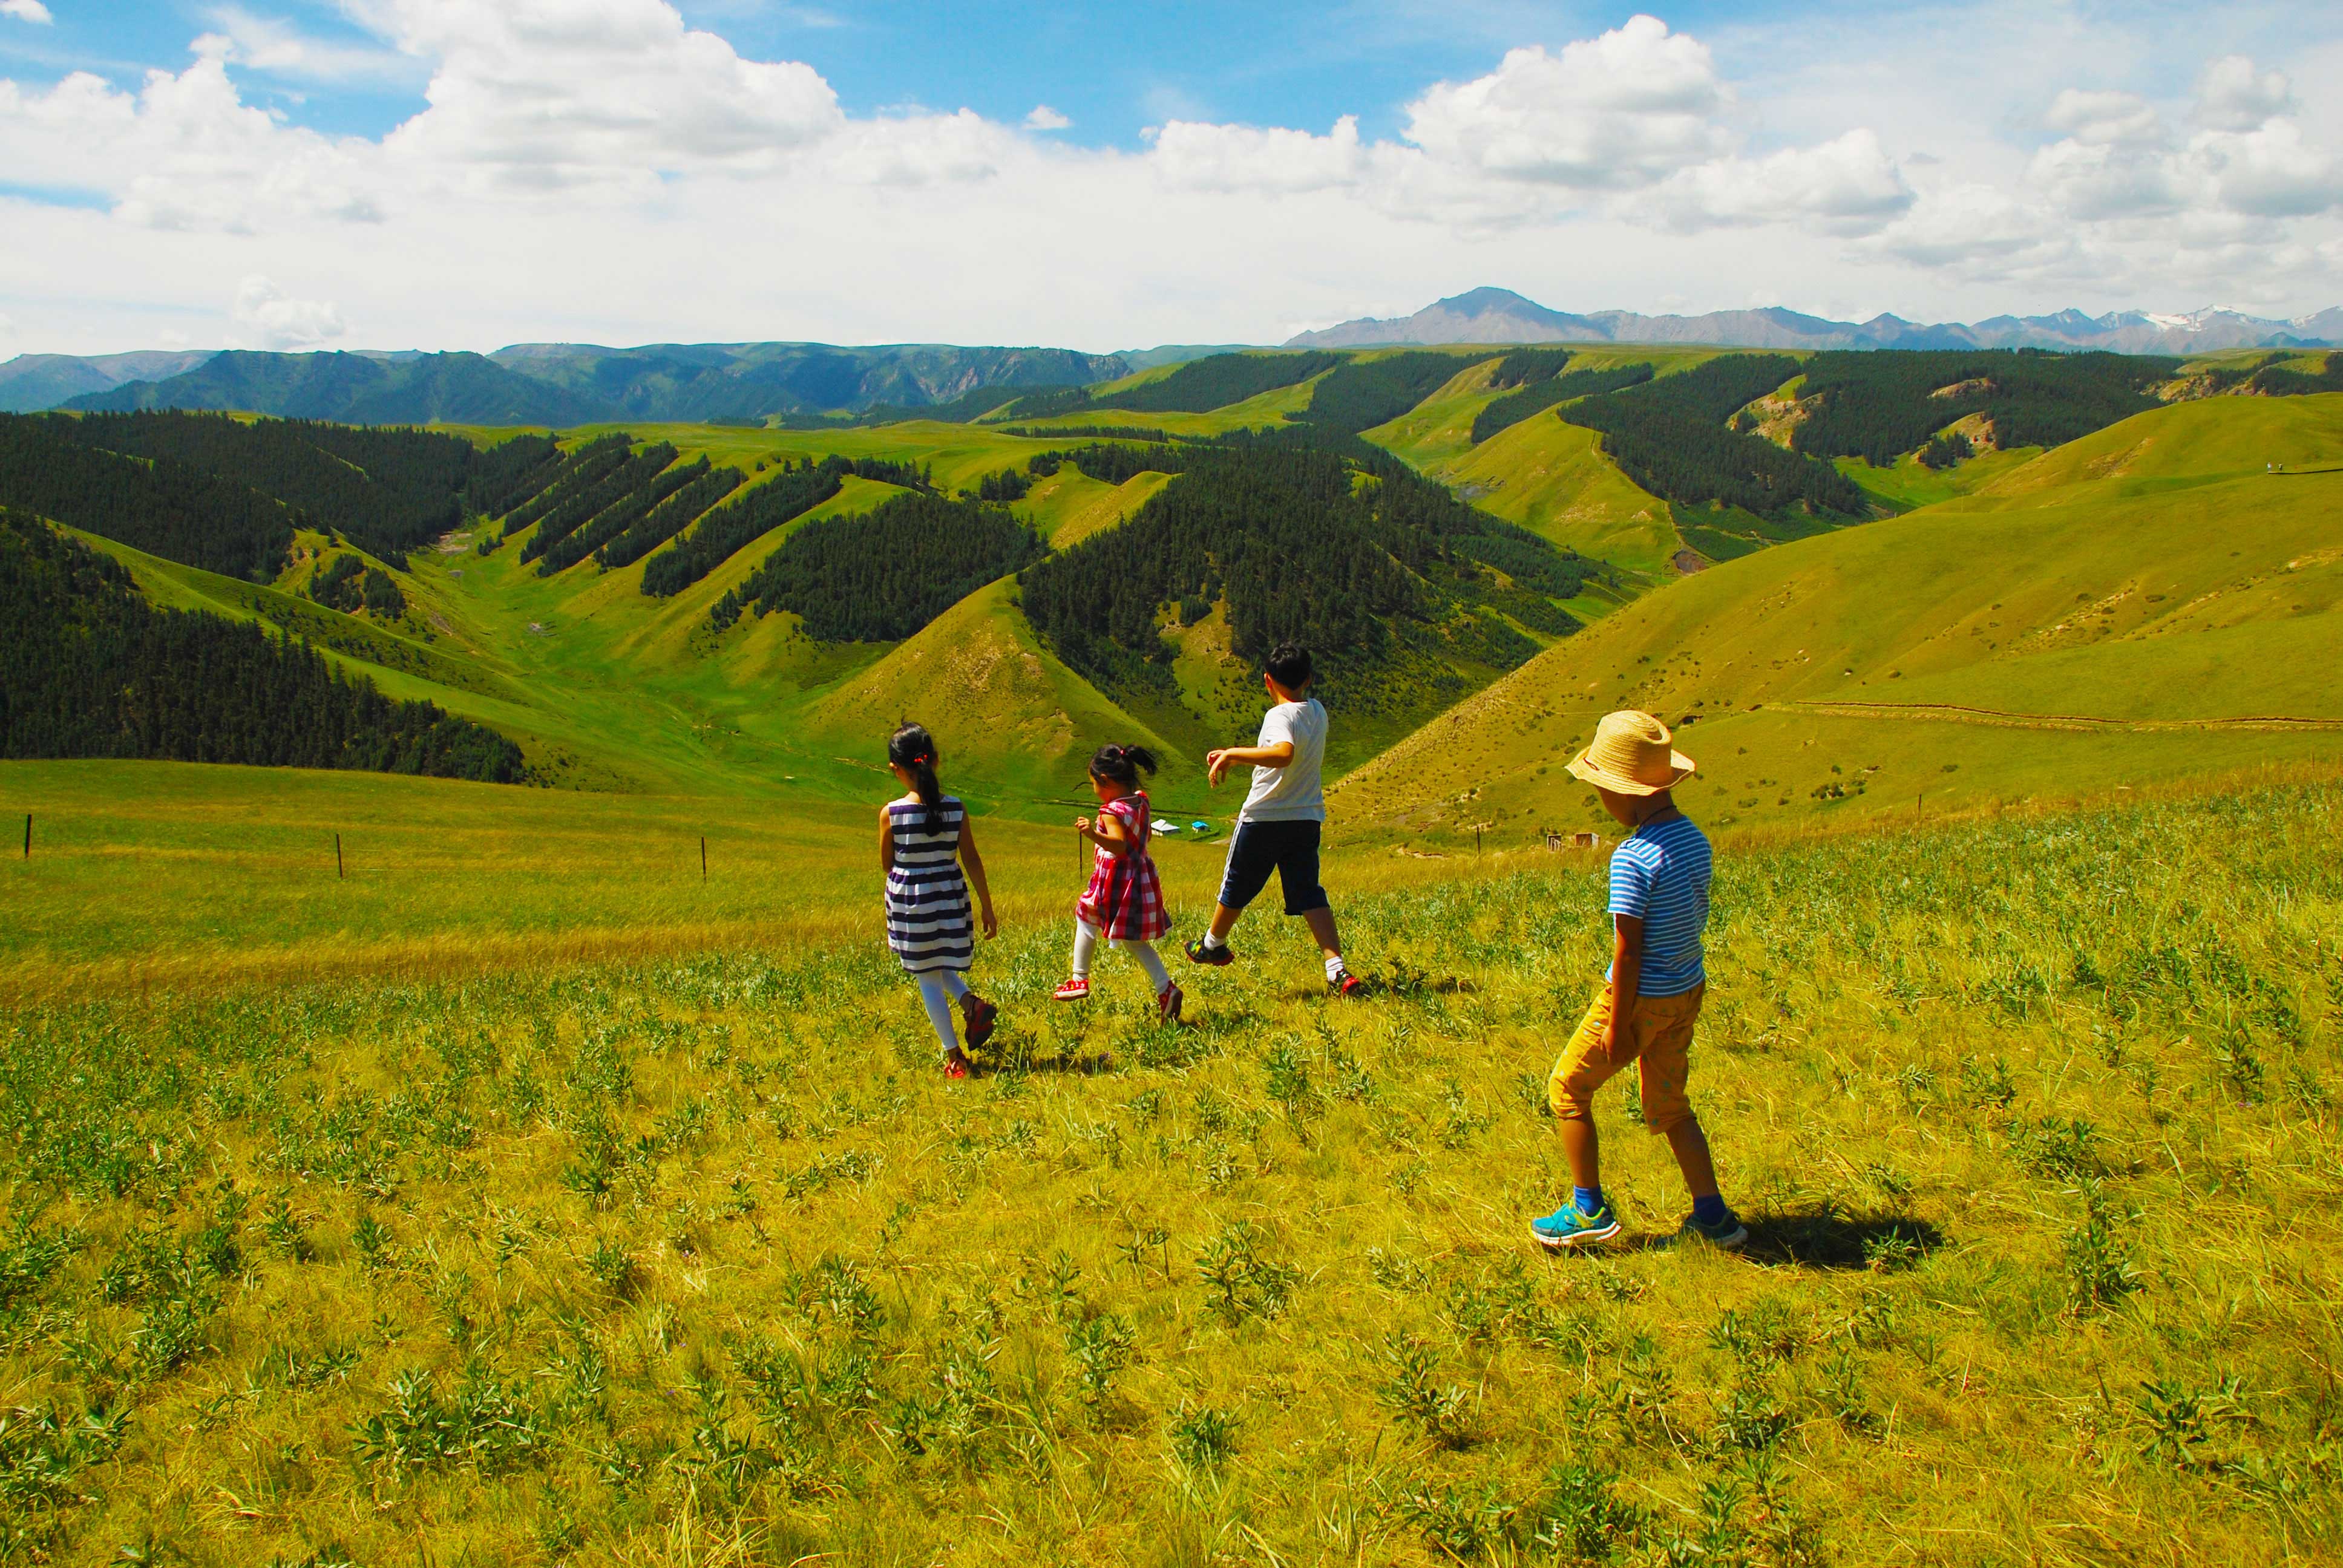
(1566, 1227)
(1728, 1233)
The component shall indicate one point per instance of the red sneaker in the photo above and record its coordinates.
(1075, 989)
(955, 1067)
(1349, 986)
(1168, 1004)
(978, 1015)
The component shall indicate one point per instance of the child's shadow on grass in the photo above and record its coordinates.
(1822, 1238)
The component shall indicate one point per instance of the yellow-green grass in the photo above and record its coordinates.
(2132, 607)
(700, 1261)
(981, 681)
(1262, 409)
(1554, 479)
(1069, 506)
(1911, 484)
(145, 873)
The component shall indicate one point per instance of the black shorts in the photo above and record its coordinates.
(1289, 849)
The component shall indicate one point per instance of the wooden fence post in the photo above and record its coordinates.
(28, 835)
(338, 857)
(703, 858)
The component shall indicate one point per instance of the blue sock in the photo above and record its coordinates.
(1711, 1210)
(1588, 1199)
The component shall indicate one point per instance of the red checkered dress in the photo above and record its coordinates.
(1125, 898)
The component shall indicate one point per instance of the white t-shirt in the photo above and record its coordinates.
(1292, 793)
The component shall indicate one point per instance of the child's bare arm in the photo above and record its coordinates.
(1626, 975)
(1216, 763)
(1106, 833)
(975, 864)
(886, 841)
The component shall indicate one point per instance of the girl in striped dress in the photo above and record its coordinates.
(1124, 900)
(924, 841)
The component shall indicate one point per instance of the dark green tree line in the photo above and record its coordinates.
(163, 506)
(1524, 366)
(620, 516)
(880, 575)
(1200, 385)
(796, 490)
(510, 472)
(670, 517)
(91, 669)
(346, 583)
(1670, 437)
(636, 473)
(1510, 410)
(584, 469)
(1879, 407)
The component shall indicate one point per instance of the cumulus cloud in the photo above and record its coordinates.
(274, 319)
(280, 48)
(1624, 109)
(554, 94)
(2105, 119)
(1847, 186)
(602, 168)
(26, 11)
(2232, 96)
(1190, 155)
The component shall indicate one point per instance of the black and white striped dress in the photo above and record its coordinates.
(928, 922)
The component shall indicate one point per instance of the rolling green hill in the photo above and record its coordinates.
(2141, 603)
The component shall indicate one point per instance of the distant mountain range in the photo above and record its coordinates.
(1500, 315)
(564, 384)
(545, 383)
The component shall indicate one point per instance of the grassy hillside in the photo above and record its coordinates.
(614, 1256)
(2140, 604)
(986, 688)
(1548, 477)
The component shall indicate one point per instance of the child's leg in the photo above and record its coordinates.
(953, 981)
(1252, 855)
(1086, 939)
(940, 1013)
(1297, 873)
(1691, 1147)
(1583, 1067)
(1150, 960)
(1664, 1025)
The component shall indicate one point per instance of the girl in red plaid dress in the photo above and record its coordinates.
(1124, 901)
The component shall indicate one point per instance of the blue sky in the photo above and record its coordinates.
(1324, 160)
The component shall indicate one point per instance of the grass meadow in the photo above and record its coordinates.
(663, 1256)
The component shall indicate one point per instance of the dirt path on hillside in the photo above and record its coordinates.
(1953, 713)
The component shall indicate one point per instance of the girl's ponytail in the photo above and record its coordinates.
(913, 749)
(1122, 764)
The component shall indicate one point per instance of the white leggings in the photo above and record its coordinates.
(1086, 940)
(936, 988)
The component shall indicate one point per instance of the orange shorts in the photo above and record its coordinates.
(1657, 1039)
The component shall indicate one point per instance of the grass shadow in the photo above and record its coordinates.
(1820, 1237)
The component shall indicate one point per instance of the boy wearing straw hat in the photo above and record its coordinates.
(1645, 1009)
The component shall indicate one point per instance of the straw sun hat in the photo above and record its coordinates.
(1630, 755)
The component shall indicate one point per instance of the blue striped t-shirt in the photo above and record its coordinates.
(1659, 876)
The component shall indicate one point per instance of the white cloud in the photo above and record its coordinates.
(1848, 185)
(279, 321)
(26, 11)
(548, 94)
(278, 48)
(1188, 155)
(2231, 96)
(1622, 110)
(2105, 119)
(599, 169)
(1045, 119)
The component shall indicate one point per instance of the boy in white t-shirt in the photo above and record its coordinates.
(1278, 827)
